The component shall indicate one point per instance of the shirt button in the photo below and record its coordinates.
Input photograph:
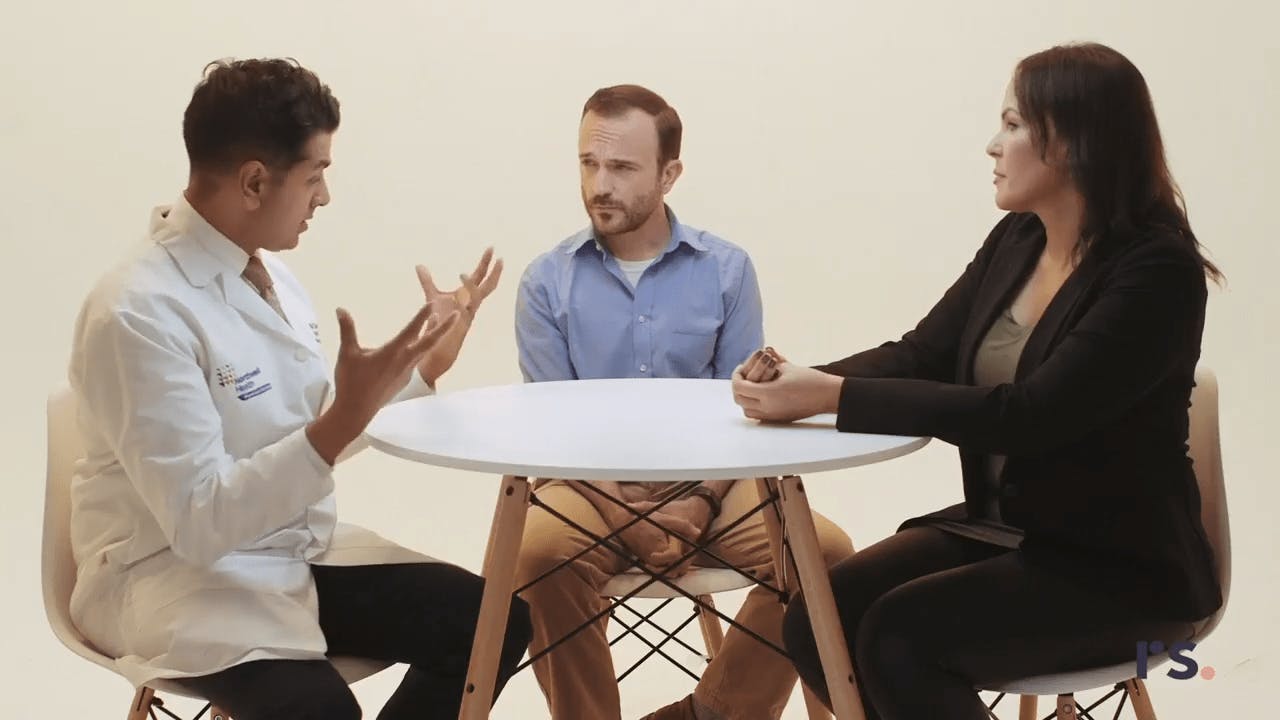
(644, 368)
(642, 318)
(300, 355)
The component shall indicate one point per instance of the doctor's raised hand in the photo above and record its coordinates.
(466, 300)
(365, 379)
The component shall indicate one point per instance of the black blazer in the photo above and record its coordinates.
(1094, 424)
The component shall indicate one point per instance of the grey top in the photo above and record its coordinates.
(994, 364)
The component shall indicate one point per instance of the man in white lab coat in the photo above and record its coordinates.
(203, 516)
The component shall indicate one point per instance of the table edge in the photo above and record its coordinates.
(632, 475)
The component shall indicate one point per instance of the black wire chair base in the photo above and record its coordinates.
(699, 547)
(156, 705)
(633, 630)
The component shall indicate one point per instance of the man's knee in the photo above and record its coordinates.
(834, 543)
(548, 553)
(541, 554)
(337, 704)
(318, 701)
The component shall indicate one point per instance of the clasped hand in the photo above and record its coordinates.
(767, 387)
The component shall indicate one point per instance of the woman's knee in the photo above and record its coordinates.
(892, 639)
(797, 636)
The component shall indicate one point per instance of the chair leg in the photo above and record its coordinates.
(817, 711)
(1066, 707)
(1141, 700)
(141, 704)
(712, 631)
(1027, 707)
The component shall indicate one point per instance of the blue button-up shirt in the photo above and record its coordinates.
(694, 313)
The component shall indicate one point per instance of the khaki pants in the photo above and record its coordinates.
(745, 680)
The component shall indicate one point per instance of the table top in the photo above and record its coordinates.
(644, 429)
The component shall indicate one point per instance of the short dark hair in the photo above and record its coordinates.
(619, 99)
(258, 109)
(1097, 103)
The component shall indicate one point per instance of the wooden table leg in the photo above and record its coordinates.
(816, 586)
(499, 574)
(785, 575)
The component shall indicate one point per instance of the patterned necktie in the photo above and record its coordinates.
(256, 273)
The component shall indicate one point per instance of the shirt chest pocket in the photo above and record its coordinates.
(691, 348)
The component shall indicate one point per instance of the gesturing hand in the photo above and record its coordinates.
(466, 300)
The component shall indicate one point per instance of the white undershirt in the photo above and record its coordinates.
(633, 269)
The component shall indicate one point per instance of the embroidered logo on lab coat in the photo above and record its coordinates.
(315, 330)
(251, 384)
(226, 375)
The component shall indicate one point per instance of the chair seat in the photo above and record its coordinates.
(352, 669)
(355, 669)
(1080, 680)
(1073, 682)
(698, 581)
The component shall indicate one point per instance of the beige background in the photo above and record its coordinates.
(841, 143)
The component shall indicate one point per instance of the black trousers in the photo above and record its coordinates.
(928, 615)
(420, 614)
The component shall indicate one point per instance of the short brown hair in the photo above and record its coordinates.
(260, 109)
(619, 99)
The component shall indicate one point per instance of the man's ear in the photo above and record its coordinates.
(670, 174)
(252, 183)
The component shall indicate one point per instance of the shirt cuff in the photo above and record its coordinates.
(416, 387)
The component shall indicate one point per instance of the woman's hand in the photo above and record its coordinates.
(796, 392)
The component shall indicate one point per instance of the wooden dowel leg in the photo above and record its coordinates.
(495, 604)
(1142, 707)
(1027, 707)
(783, 570)
(712, 630)
(141, 704)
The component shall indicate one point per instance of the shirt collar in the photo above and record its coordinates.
(201, 252)
(680, 234)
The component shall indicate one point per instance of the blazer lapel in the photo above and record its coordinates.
(1008, 271)
(1057, 314)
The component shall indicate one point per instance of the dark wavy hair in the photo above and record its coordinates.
(1097, 103)
(260, 109)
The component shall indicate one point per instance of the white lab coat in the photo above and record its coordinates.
(200, 502)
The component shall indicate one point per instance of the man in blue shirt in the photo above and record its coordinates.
(639, 294)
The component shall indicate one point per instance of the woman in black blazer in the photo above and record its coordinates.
(1061, 365)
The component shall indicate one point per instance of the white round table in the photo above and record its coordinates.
(625, 430)
(631, 430)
